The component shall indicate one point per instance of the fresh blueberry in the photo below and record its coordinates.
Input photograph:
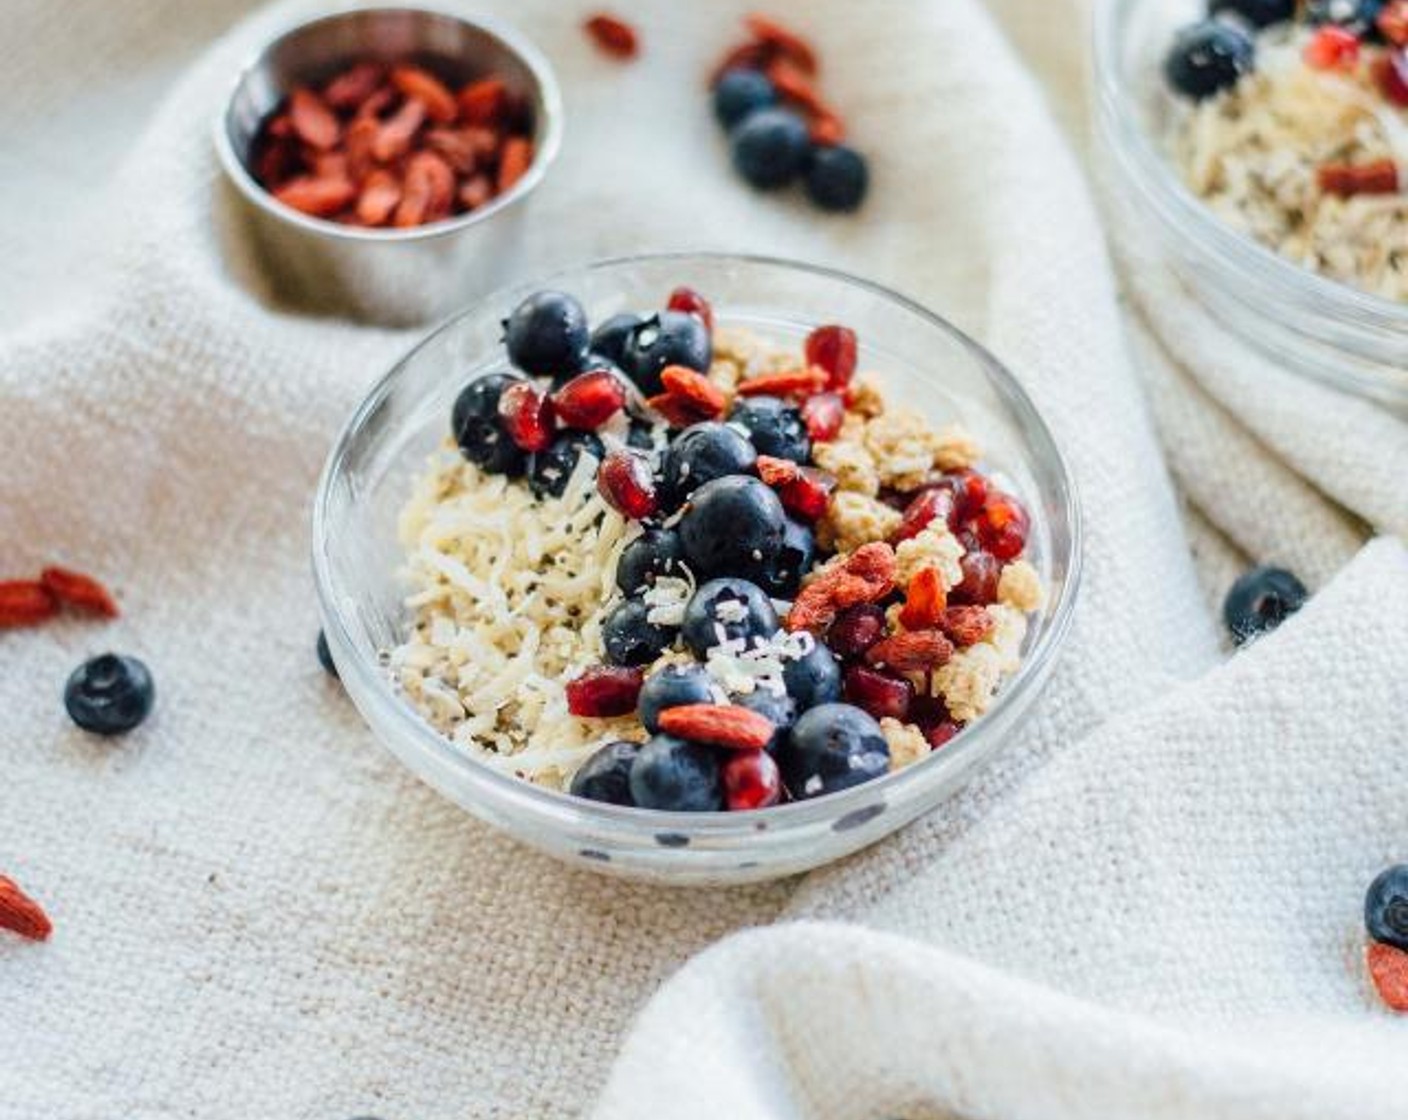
(609, 338)
(782, 577)
(109, 695)
(782, 710)
(770, 147)
(837, 177)
(775, 427)
(739, 92)
(832, 747)
(732, 524)
(549, 470)
(677, 776)
(478, 431)
(325, 656)
(1208, 58)
(739, 608)
(702, 453)
(671, 338)
(1386, 907)
(669, 687)
(656, 552)
(631, 638)
(640, 435)
(606, 776)
(1260, 601)
(1257, 13)
(547, 334)
(1358, 16)
(814, 679)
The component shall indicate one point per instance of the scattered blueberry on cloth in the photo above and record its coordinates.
(1150, 904)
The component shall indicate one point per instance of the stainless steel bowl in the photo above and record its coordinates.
(390, 276)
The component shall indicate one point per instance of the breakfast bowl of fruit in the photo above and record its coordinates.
(696, 568)
(1258, 146)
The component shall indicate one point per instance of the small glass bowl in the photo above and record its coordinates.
(1349, 339)
(923, 361)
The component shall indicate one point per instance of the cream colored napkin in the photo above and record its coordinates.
(1147, 903)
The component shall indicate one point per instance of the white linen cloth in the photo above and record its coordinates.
(1148, 905)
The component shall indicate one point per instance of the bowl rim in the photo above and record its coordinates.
(1181, 210)
(547, 141)
(369, 676)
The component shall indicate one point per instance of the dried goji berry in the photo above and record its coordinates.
(350, 89)
(912, 652)
(723, 725)
(707, 399)
(866, 576)
(74, 589)
(792, 84)
(613, 35)
(394, 135)
(784, 384)
(319, 197)
(315, 124)
(924, 600)
(826, 129)
(1347, 180)
(515, 158)
(1388, 969)
(679, 412)
(745, 56)
(787, 43)
(776, 472)
(1332, 48)
(21, 914)
(483, 102)
(380, 194)
(966, 625)
(425, 87)
(25, 602)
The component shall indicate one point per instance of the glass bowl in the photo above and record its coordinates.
(388, 441)
(1350, 339)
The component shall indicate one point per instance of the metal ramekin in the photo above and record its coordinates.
(388, 276)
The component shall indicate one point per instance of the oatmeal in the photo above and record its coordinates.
(1296, 134)
(674, 567)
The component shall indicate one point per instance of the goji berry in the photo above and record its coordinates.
(706, 398)
(74, 589)
(924, 600)
(787, 43)
(25, 602)
(21, 914)
(722, 725)
(966, 625)
(613, 35)
(784, 384)
(911, 652)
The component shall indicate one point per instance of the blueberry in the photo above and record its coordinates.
(669, 687)
(739, 92)
(731, 525)
(832, 747)
(1260, 601)
(656, 552)
(1208, 58)
(739, 608)
(1386, 907)
(782, 577)
(782, 710)
(632, 639)
(640, 435)
(770, 147)
(837, 177)
(1257, 13)
(109, 695)
(677, 776)
(606, 776)
(671, 338)
(549, 470)
(547, 334)
(609, 338)
(814, 679)
(1358, 16)
(477, 429)
(325, 656)
(774, 427)
(702, 453)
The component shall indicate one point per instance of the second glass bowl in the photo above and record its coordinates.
(922, 361)
(1344, 337)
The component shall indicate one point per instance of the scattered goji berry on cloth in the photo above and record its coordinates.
(1388, 969)
(21, 914)
(613, 35)
(25, 602)
(83, 592)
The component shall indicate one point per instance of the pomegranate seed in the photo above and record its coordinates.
(590, 399)
(692, 303)
(527, 414)
(823, 415)
(808, 495)
(931, 504)
(625, 481)
(1003, 526)
(606, 690)
(833, 348)
(970, 491)
(979, 584)
(940, 733)
(751, 781)
(878, 694)
(1391, 76)
(856, 629)
(1392, 22)
(1332, 48)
